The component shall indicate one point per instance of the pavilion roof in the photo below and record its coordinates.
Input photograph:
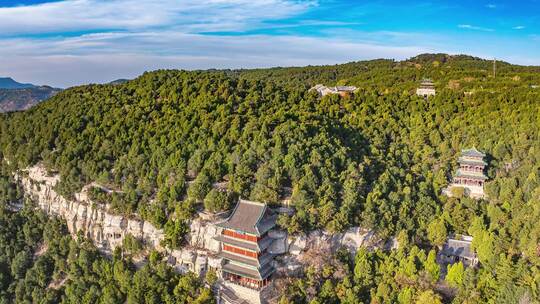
(472, 153)
(253, 262)
(250, 217)
(461, 248)
(257, 247)
(471, 175)
(466, 161)
(345, 88)
(257, 274)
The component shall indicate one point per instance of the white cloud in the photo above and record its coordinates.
(104, 57)
(491, 6)
(188, 15)
(475, 28)
(134, 36)
(130, 37)
(519, 27)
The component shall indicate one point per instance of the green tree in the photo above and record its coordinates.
(432, 267)
(428, 297)
(216, 201)
(437, 232)
(132, 245)
(200, 187)
(175, 232)
(455, 274)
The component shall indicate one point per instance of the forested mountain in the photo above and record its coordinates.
(378, 159)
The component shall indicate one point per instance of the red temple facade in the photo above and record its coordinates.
(244, 244)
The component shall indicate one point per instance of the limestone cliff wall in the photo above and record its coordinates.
(107, 230)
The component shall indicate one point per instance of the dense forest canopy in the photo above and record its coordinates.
(378, 159)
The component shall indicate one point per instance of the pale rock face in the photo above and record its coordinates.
(352, 239)
(296, 246)
(108, 230)
(202, 235)
(214, 262)
(82, 215)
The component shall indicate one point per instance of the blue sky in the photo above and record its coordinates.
(70, 42)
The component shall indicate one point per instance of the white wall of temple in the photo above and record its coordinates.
(250, 295)
(425, 92)
(472, 191)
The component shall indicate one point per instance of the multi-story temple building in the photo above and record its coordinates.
(248, 248)
(470, 174)
(426, 89)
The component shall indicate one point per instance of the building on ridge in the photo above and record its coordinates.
(340, 90)
(426, 89)
(470, 174)
(458, 250)
(248, 245)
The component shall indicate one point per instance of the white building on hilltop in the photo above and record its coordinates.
(340, 90)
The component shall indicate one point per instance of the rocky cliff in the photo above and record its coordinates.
(108, 230)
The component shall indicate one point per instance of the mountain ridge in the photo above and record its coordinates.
(10, 83)
(16, 96)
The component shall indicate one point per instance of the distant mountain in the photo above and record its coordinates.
(15, 96)
(9, 83)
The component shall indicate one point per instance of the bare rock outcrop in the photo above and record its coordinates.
(352, 239)
(108, 230)
(95, 221)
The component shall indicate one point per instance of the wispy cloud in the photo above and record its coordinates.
(134, 36)
(475, 28)
(519, 27)
(70, 42)
(491, 6)
(129, 54)
(188, 15)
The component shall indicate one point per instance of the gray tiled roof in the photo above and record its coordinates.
(459, 248)
(250, 217)
(257, 274)
(238, 258)
(427, 82)
(346, 88)
(472, 153)
(230, 296)
(471, 175)
(260, 262)
(479, 162)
